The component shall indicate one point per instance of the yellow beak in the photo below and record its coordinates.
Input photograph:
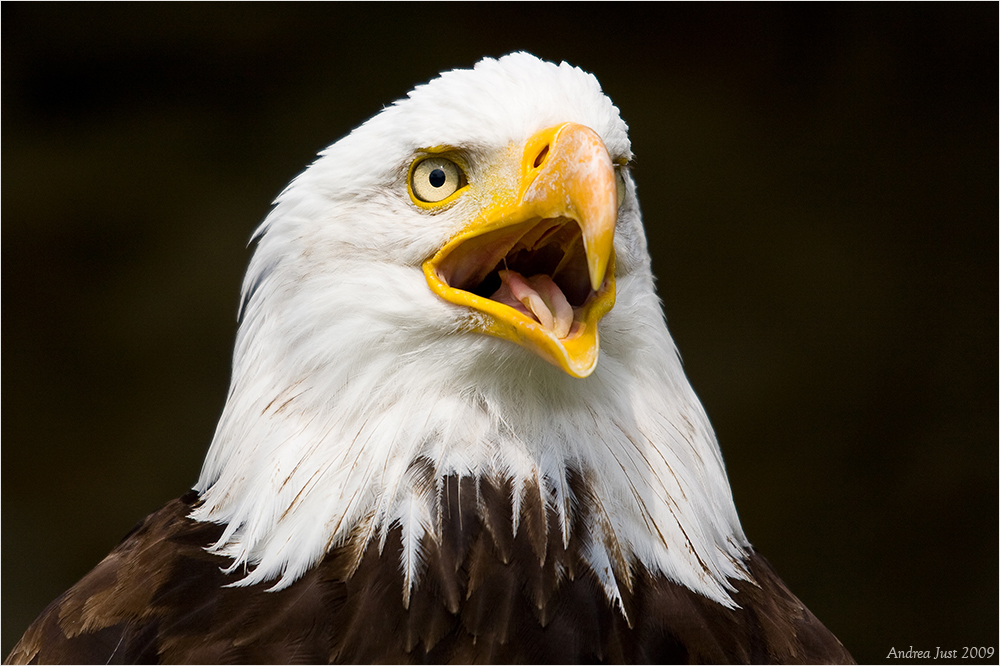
(538, 264)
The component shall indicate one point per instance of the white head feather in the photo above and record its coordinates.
(347, 367)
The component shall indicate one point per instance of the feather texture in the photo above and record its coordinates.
(160, 597)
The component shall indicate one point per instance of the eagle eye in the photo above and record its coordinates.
(435, 179)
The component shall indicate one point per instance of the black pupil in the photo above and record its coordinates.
(437, 178)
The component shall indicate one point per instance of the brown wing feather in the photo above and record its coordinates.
(486, 596)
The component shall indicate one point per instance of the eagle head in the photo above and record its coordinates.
(461, 287)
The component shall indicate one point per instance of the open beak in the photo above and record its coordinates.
(539, 264)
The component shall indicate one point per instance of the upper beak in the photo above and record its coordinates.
(539, 264)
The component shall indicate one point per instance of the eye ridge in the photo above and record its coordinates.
(434, 179)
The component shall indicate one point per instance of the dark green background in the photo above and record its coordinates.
(820, 191)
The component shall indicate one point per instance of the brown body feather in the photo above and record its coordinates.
(485, 595)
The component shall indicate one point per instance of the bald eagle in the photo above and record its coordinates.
(457, 429)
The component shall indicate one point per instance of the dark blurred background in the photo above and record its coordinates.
(819, 186)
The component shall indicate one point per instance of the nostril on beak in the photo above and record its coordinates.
(542, 154)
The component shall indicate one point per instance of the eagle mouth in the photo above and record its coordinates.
(535, 265)
(538, 268)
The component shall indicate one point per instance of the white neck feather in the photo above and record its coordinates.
(336, 389)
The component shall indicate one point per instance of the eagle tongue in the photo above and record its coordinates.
(538, 296)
